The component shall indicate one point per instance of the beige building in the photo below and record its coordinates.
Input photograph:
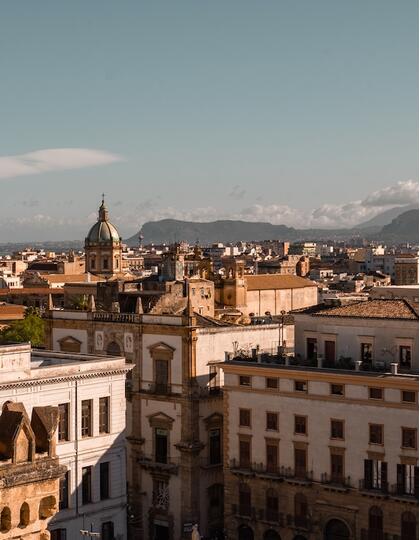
(262, 293)
(175, 413)
(319, 452)
(29, 471)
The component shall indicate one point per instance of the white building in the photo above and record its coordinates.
(90, 393)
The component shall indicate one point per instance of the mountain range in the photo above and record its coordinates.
(397, 225)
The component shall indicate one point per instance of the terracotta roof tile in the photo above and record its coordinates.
(371, 309)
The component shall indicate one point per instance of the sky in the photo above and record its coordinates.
(296, 112)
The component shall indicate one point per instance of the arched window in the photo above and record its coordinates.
(375, 523)
(113, 349)
(271, 505)
(271, 535)
(301, 510)
(408, 526)
(47, 507)
(245, 533)
(24, 515)
(336, 530)
(5, 519)
(244, 500)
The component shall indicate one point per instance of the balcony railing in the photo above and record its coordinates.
(105, 316)
(158, 388)
(159, 463)
(336, 481)
(272, 471)
(379, 487)
(400, 490)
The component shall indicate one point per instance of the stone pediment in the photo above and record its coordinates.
(161, 350)
(161, 420)
(214, 420)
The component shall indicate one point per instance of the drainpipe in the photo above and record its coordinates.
(76, 446)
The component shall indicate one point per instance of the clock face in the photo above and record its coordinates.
(162, 496)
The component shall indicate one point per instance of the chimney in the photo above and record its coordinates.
(394, 368)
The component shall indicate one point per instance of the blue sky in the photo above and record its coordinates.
(295, 112)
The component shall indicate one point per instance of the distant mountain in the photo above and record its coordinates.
(384, 218)
(404, 228)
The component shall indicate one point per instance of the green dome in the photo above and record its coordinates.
(103, 232)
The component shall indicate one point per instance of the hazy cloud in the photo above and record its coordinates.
(400, 193)
(237, 192)
(54, 159)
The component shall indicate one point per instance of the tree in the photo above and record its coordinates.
(31, 328)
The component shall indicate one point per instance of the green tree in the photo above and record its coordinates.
(31, 328)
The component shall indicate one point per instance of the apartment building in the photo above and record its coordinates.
(89, 392)
(175, 408)
(317, 448)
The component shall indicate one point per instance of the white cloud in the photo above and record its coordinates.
(54, 159)
(400, 193)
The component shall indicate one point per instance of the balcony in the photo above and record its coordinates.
(401, 492)
(336, 482)
(375, 489)
(278, 472)
(105, 316)
(161, 464)
(158, 389)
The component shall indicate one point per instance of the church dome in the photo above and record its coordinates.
(103, 232)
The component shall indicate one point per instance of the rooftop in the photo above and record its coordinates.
(400, 309)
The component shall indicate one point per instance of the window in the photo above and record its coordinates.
(272, 455)
(337, 389)
(301, 510)
(337, 429)
(408, 396)
(161, 445)
(87, 418)
(272, 421)
(162, 376)
(92, 263)
(366, 350)
(375, 523)
(215, 497)
(300, 462)
(311, 348)
(272, 383)
(215, 448)
(300, 425)
(107, 531)
(245, 417)
(86, 485)
(271, 505)
(301, 386)
(105, 263)
(376, 393)
(376, 474)
(24, 515)
(244, 500)
(407, 479)
(104, 480)
(408, 526)
(214, 379)
(104, 415)
(244, 380)
(376, 434)
(409, 438)
(337, 468)
(58, 534)
(405, 356)
(329, 350)
(63, 422)
(64, 491)
(244, 454)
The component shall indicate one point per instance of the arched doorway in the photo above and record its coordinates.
(408, 526)
(336, 530)
(113, 349)
(245, 533)
(271, 535)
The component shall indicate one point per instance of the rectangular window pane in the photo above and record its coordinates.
(161, 446)
(337, 429)
(272, 383)
(86, 485)
(244, 454)
(300, 462)
(272, 421)
(245, 417)
(104, 415)
(104, 480)
(64, 491)
(215, 447)
(63, 422)
(87, 418)
(376, 434)
(300, 425)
